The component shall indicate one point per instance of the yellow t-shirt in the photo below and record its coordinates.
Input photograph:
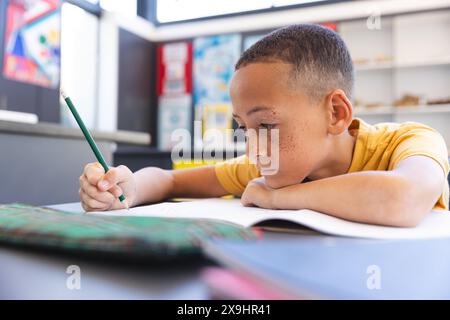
(378, 147)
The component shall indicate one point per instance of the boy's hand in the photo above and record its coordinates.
(100, 191)
(257, 193)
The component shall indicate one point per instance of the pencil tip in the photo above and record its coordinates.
(125, 202)
(63, 94)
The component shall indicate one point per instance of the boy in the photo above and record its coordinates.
(299, 80)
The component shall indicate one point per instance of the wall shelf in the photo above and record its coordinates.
(406, 55)
(402, 65)
(404, 110)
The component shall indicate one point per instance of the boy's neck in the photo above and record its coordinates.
(340, 158)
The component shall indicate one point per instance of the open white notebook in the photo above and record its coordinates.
(436, 224)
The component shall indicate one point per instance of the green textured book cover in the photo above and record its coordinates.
(142, 237)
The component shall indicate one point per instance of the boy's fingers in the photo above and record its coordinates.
(93, 172)
(90, 204)
(93, 192)
(245, 201)
(113, 177)
(116, 191)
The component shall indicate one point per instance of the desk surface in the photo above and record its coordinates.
(26, 274)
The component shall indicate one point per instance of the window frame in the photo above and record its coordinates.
(148, 9)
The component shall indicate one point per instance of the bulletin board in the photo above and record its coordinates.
(32, 42)
(214, 60)
(174, 90)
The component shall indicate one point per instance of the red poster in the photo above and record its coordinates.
(174, 63)
(329, 25)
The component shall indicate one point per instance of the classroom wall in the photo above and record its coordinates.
(136, 105)
(123, 47)
(126, 75)
(398, 63)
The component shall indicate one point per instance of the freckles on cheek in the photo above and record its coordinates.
(293, 156)
(288, 149)
(289, 143)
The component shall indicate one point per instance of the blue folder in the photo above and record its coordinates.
(343, 268)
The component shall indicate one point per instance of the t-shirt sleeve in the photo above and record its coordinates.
(235, 174)
(422, 141)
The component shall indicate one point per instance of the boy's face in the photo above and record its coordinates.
(264, 97)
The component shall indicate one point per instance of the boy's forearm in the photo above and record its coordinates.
(370, 197)
(155, 184)
(198, 182)
(152, 185)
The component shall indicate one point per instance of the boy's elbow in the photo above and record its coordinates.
(405, 210)
(406, 219)
(403, 207)
(412, 193)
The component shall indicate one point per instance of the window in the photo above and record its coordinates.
(179, 10)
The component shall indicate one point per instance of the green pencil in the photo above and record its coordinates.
(90, 140)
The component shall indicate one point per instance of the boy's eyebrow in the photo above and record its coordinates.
(253, 110)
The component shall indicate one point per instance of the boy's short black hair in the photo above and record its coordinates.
(319, 56)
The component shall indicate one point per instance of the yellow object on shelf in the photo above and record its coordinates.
(176, 165)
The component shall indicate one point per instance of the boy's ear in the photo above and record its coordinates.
(339, 110)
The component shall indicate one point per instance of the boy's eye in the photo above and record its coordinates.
(243, 128)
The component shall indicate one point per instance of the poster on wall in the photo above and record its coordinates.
(174, 62)
(219, 119)
(329, 25)
(214, 60)
(32, 42)
(174, 88)
(174, 122)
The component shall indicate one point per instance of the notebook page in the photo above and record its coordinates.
(436, 224)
